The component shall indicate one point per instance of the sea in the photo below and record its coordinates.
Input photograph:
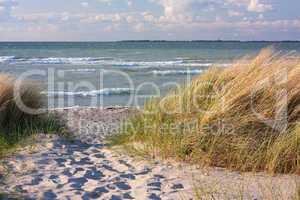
(124, 73)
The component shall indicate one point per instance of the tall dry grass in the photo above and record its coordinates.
(10, 113)
(265, 189)
(15, 122)
(244, 117)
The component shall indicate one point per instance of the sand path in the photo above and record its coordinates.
(86, 169)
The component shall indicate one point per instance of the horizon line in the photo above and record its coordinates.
(98, 41)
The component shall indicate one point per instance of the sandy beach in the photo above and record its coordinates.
(85, 168)
(150, 100)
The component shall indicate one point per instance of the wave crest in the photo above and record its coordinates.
(109, 61)
(176, 72)
(105, 92)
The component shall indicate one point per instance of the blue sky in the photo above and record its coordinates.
(107, 20)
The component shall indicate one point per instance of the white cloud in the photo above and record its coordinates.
(85, 4)
(174, 8)
(260, 16)
(65, 16)
(238, 2)
(59, 25)
(256, 6)
(252, 5)
(131, 19)
(106, 1)
(148, 17)
(110, 2)
(179, 10)
(233, 13)
(6, 6)
(129, 3)
(112, 28)
(140, 27)
(176, 19)
(50, 18)
(116, 18)
(8, 3)
(103, 18)
(188, 11)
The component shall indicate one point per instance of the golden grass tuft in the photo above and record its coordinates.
(17, 123)
(10, 112)
(244, 117)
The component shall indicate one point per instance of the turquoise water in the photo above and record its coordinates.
(119, 73)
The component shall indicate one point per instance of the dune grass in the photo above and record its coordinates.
(16, 123)
(244, 117)
(266, 190)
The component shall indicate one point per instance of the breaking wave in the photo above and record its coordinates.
(176, 72)
(54, 60)
(106, 61)
(105, 92)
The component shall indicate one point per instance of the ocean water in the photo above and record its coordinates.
(119, 73)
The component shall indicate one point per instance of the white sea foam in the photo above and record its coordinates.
(80, 70)
(196, 64)
(86, 61)
(145, 63)
(55, 60)
(70, 61)
(104, 61)
(176, 72)
(4, 59)
(104, 92)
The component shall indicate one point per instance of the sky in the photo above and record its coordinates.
(111, 20)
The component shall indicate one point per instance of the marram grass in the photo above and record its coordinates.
(244, 117)
(16, 124)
